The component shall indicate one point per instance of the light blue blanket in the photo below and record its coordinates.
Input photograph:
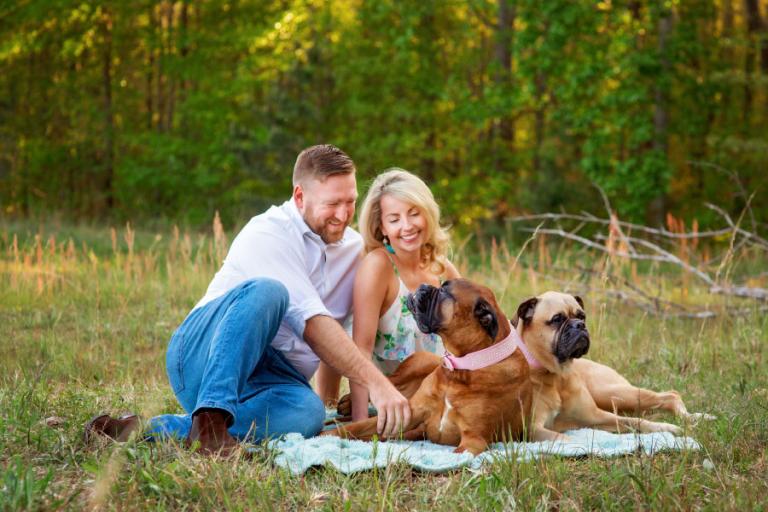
(297, 454)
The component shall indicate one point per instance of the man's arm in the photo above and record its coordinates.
(328, 340)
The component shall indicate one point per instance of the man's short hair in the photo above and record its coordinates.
(319, 162)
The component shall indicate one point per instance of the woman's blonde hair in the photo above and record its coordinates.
(409, 188)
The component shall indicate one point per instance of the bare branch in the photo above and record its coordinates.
(671, 258)
(517, 259)
(758, 240)
(663, 257)
(588, 218)
(606, 202)
(741, 291)
(736, 179)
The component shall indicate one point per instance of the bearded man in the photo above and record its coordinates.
(240, 363)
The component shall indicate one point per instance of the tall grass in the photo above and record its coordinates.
(85, 315)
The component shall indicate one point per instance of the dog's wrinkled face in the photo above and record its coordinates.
(464, 314)
(554, 326)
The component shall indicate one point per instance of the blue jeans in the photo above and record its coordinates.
(220, 357)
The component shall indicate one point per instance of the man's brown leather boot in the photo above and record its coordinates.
(117, 429)
(209, 429)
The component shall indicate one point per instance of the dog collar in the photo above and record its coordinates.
(485, 357)
(533, 363)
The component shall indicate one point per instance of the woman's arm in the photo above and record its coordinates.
(327, 382)
(368, 296)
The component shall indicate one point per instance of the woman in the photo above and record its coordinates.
(404, 247)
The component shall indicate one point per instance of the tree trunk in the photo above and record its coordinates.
(149, 76)
(657, 208)
(172, 79)
(184, 40)
(24, 178)
(159, 78)
(726, 58)
(539, 120)
(760, 28)
(107, 201)
(503, 52)
(754, 25)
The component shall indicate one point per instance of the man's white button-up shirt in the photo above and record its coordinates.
(319, 276)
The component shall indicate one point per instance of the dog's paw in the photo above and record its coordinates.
(694, 417)
(344, 405)
(667, 427)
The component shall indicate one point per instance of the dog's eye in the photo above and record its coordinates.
(580, 315)
(557, 319)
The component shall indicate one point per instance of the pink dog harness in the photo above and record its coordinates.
(491, 355)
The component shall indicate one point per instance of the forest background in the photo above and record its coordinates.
(125, 125)
(145, 110)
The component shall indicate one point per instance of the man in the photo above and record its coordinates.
(240, 362)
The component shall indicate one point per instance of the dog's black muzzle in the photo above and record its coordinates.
(424, 303)
(573, 340)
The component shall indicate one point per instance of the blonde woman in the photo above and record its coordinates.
(405, 247)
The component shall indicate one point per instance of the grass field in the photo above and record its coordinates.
(85, 315)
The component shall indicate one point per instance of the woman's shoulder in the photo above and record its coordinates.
(378, 256)
(450, 271)
(376, 261)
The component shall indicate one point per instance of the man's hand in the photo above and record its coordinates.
(392, 407)
(329, 341)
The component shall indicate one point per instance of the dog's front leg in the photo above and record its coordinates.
(364, 430)
(471, 442)
(407, 378)
(541, 433)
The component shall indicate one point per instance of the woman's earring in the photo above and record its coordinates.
(388, 247)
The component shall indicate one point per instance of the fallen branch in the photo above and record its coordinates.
(741, 291)
(661, 232)
(652, 305)
(635, 248)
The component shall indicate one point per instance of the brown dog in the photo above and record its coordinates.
(464, 408)
(570, 392)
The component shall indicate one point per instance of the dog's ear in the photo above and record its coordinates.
(525, 311)
(486, 317)
(578, 299)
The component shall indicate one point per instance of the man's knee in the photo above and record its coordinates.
(266, 292)
(315, 411)
(305, 414)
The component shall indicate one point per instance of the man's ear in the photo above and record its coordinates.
(486, 317)
(525, 311)
(298, 197)
(578, 299)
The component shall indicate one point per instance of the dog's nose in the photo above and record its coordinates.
(579, 324)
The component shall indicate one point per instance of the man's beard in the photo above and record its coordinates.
(323, 230)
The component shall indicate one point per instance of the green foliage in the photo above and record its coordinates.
(22, 489)
(175, 109)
